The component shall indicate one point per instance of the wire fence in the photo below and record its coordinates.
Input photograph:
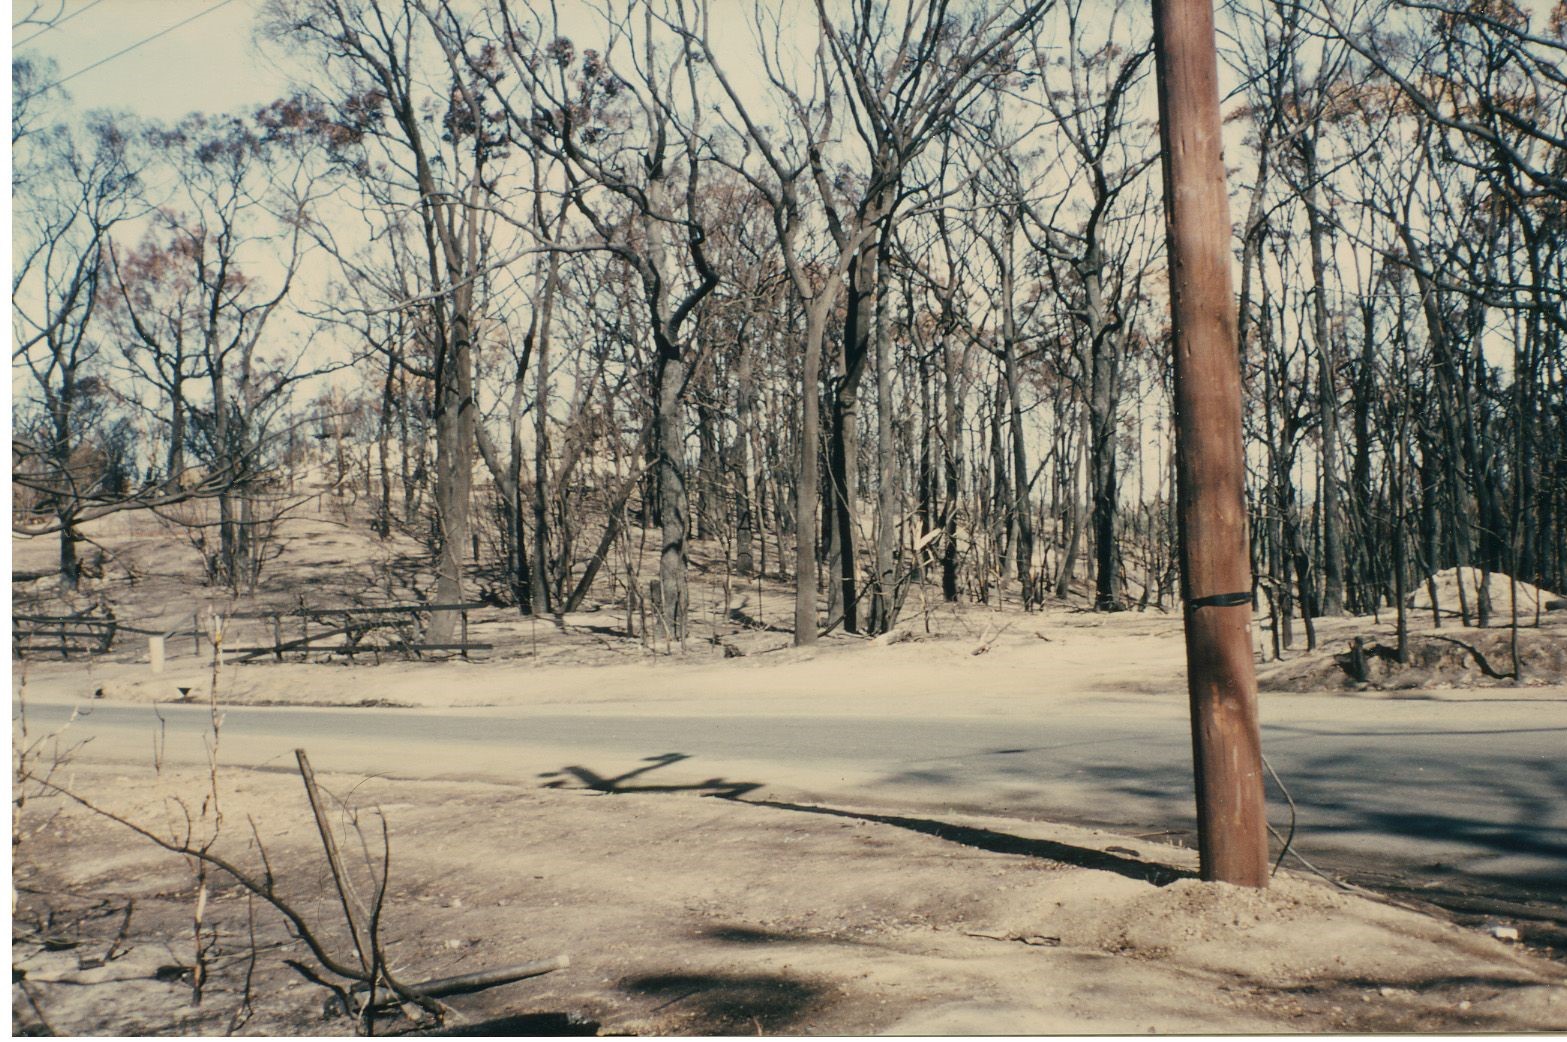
(293, 634)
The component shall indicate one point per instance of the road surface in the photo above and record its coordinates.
(1447, 799)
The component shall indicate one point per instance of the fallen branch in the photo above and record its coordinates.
(464, 983)
(1035, 940)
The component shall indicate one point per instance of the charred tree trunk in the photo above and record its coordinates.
(228, 561)
(1074, 500)
(1102, 471)
(176, 427)
(60, 406)
(884, 610)
(1000, 501)
(742, 464)
(926, 506)
(521, 574)
(383, 435)
(669, 436)
(70, 564)
(1020, 474)
(1364, 591)
(1327, 395)
(807, 499)
(454, 441)
(542, 335)
(952, 469)
(843, 455)
(709, 519)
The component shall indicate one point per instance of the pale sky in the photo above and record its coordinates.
(209, 64)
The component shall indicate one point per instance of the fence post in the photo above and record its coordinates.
(642, 619)
(155, 653)
(277, 637)
(464, 617)
(195, 632)
(655, 595)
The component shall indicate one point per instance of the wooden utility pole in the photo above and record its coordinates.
(1210, 458)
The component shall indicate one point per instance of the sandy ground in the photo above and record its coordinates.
(983, 660)
(687, 912)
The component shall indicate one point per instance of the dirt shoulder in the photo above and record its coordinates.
(688, 914)
(984, 662)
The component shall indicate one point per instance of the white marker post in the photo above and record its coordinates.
(155, 653)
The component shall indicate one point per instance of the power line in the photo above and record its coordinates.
(56, 24)
(126, 50)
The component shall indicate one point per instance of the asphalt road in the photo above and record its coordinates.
(1439, 798)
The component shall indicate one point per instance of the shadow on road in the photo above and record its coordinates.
(1001, 842)
(590, 779)
(1478, 839)
(963, 835)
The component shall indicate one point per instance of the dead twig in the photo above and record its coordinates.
(1034, 940)
(246, 1010)
(125, 929)
(329, 844)
(262, 889)
(38, 1012)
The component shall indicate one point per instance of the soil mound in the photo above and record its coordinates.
(1496, 586)
(1456, 657)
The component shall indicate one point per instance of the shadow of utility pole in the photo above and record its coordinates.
(617, 785)
(963, 835)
